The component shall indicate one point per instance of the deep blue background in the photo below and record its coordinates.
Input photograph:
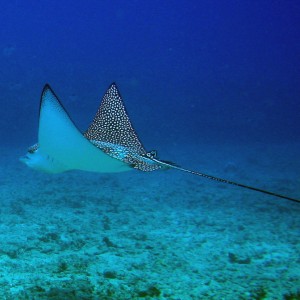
(189, 71)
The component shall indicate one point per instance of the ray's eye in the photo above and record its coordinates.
(33, 148)
(30, 150)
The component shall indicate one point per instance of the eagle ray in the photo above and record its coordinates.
(110, 144)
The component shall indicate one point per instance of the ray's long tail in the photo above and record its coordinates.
(168, 165)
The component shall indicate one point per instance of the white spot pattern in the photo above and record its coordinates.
(111, 125)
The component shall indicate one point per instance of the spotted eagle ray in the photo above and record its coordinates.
(109, 145)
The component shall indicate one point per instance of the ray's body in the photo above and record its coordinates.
(110, 144)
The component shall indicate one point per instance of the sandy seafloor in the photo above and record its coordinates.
(159, 235)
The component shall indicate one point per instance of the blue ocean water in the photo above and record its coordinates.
(213, 86)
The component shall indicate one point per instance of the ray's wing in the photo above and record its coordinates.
(112, 131)
(111, 123)
(59, 138)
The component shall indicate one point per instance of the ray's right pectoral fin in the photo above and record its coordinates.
(63, 145)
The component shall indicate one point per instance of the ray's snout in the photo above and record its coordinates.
(25, 160)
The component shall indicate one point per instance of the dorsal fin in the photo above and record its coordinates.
(111, 123)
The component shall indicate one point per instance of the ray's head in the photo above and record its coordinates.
(37, 160)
